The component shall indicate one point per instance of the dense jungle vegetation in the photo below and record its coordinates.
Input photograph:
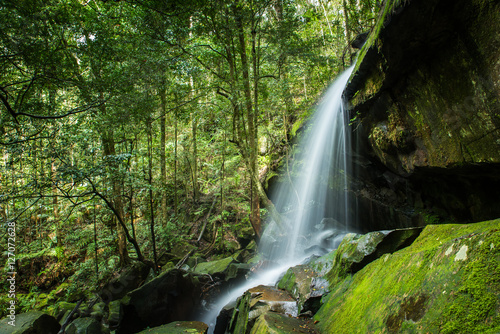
(131, 127)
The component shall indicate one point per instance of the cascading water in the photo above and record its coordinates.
(314, 200)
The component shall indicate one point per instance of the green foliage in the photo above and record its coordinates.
(84, 87)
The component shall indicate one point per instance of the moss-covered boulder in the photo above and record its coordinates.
(447, 281)
(179, 327)
(274, 323)
(428, 91)
(33, 322)
(251, 305)
(115, 314)
(298, 281)
(218, 267)
(308, 283)
(85, 326)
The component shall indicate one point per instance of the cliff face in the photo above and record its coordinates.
(425, 99)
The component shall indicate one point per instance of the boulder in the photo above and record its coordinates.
(33, 322)
(115, 314)
(357, 250)
(179, 327)
(130, 279)
(218, 268)
(172, 296)
(63, 309)
(309, 282)
(446, 281)
(85, 326)
(305, 285)
(274, 323)
(251, 305)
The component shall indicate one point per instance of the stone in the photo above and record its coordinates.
(237, 271)
(356, 251)
(218, 267)
(428, 98)
(179, 327)
(172, 296)
(274, 323)
(420, 289)
(115, 314)
(131, 278)
(84, 326)
(33, 322)
(308, 283)
(62, 309)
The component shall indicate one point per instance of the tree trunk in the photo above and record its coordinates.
(163, 157)
(194, 128)
(250, 149)
(109, 151)
(176, 196)
(151, 200)
(57, 223)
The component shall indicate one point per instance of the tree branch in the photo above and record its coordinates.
(71, 112)
(120, 220)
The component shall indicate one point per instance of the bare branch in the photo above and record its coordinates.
(71, 112)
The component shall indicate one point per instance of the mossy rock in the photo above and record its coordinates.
(214, 267)
(62, 308)
(237, 271)
(179, 327)
(274, 323)
(297, 281)
(33, 322)
(181, 249)
(129, 279)
(239, 319)
(427, 93)
(84, 326)
(115, 314)
(356, 251)
(447, 281)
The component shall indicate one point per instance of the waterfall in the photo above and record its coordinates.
(313, 200)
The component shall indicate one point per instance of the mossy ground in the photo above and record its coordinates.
(451, 272)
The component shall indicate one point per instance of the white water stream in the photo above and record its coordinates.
(315, 203)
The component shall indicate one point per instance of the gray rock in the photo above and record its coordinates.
(33, 322)
(84, 326)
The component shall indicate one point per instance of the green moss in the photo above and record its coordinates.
(239, 319)
(178, 327)
(288, 281)
(213, 266)
(457, 290)
(477, 299)
(273, 323)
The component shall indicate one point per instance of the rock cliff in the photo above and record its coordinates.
(424, 99)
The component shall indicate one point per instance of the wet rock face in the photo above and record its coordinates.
(426, 92)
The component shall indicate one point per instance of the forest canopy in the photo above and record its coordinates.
(129, 126)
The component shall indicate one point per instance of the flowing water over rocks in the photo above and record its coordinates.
(314, 202)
